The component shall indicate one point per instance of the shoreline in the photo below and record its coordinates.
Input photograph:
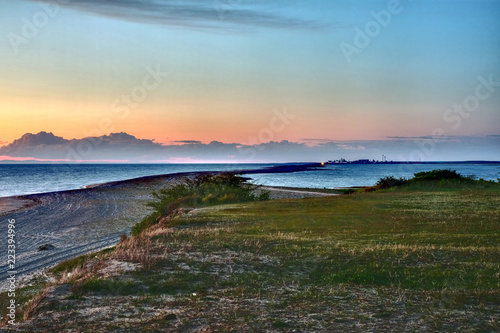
(284, 168)
(87, 220)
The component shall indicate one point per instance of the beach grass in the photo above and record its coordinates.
(420, 257)
(202, 191)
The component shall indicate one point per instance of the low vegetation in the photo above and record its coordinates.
(420, 256)
(205, 190)
(443, 178)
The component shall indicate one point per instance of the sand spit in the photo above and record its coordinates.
(84, 220)
(74, 222)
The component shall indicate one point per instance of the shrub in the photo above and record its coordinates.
(123, 238)
(438, 177)
(385, 183)
(440, 174)
(204, 190)
(388, 182)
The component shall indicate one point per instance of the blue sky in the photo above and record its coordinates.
(232, 63)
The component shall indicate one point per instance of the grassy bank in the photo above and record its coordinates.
(424, 256)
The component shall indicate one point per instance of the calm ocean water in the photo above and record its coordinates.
(338, 175)
(21, 179)
(39, 178)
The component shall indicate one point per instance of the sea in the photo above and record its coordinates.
(21, 179)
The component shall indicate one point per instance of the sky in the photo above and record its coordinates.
(354, 78)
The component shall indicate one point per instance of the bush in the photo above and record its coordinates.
(439, 177)
(447, 177)
(441, 174)
(388, 182)
(204, 190)
(123, 238)
(385, 183)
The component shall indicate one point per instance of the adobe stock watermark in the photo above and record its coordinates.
(121, 107)
(372, 29)
(31, 26)
(454, 116)
(11, 271)
(277, 124)
(224, 6)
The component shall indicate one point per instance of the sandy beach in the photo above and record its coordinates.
(74, 222)
(12, 204)
(84, 220)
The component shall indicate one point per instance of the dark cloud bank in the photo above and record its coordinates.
(127, 148)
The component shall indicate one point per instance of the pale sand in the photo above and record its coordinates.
(12, 204)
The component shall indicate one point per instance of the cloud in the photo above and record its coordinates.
(345, 146)
(199, 14)
(315, 142)
(187, 142)
(45, 145)
(424, 137)
(122, 146)
(125, 147)
(40, 139)
(118, 140)
(445, 138)
(11, 159)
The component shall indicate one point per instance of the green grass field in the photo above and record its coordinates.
(423, 257)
